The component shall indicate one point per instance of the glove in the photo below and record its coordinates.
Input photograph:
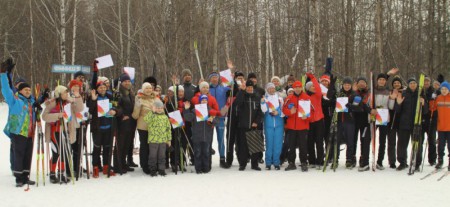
(333, 80)
(45, 94)
(7, 66)
(94, 66)
(356, 100)
(37, 106)
(290, 105)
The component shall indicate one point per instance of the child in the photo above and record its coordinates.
(202, 134)
(159, 134)
(443, 108)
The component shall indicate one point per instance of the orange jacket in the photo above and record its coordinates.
(293, 121)
(443, 107)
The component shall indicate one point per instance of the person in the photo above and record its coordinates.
(249, 118)
(278, 87)
(55, 133)
(21, 122)
(220, 94)
(259, 92)
(126, 125)
(316, 125)
(394, 121)
(346, 124)
(328, 103)
(202, 134)
(361, 111)
(142, 105)
(189, 88)
(173, 153)
(290, 81)
(296, 127)
(381, 101)
(428, 126)
(101, 129)
(406, 106)
(273, 126)
(443, 107)
(159, 135)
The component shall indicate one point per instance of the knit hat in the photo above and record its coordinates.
(361, 79)
(145, 85)
(100, 83)
(151, 80)
(382, 75)
(213, 74)
(19, 80)
(249, 83)
(325, 77)
(270, 85)
(297, 84)
(238, 73)
(79, 73)
(308, 85)
(75, 82)
(202, 97)
(22, 86)
(103, 79)
(427, 78)
(59, 89)
(158, 86)
(289, 90)
(186, 72)
(396, 78)
(180, 88)
(291, 78)
(203, 84)
(124, 77)
(171, 89)
(445, 84)
(347, 80)
(412, 79)
(158, 103)
(251, 75)
(275, 77)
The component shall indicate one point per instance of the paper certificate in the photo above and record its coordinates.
(102, 107)
(104, 62)
(201, 112)
(304, 109)
(175, 119)
(226, 78)
(67, 113)
(273, 103)
(341, 103)
(382, 117)
(83, 115)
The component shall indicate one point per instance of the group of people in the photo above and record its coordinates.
(272, 114)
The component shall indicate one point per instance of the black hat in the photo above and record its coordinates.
(249, 83)
(151, 80)
(361, 79)
(396, 78)
(347, 80)
(79, 73)
(19, 80)
(412, 79)
(382, 75)
(251, 75)
(124, 77)
(238, 73)
(22, 86)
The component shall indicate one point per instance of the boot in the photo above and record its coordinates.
(95, 172)
(162, 173)
(304, 167)
(63, 178)
(223, 164)
(132, 164)
(53, 178)
(291, 166)
(439, 164)
(152, 171)
(105, 171)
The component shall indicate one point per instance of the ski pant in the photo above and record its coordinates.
(232, 133)
(126, 133)
(11, 155)
(143, 149)
(55, 146)
(392, 142)
(402, 145)
(346, 133)
(327, 129)
(274, 142)
(76, 149)
(315, 140)
(202, 152)
(297, 138)
(365, 140)
(157, 156)
(431, 137)
(383, 135)
(131, 147)
(243, 152)
(23, 152)
(173, 154)
(187, 136)
(220, 129)
(102, 139)
(284, 148)
(444, 137)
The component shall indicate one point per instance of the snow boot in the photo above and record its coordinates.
(241, 168)
(152, 172)
(304, 167)
(105, 171)
(364, 168)
(380, 167)
(277, 167)
(268, 167)
(439, 164)
(162, 173)
(291, 166)
(95, 172)
(224, 164)
(256, 168)
(402, 167)
(53, 178)
(392, 166)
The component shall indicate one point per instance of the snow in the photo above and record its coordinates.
(229, 187)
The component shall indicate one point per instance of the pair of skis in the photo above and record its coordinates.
(417, 130)
(436, 171)
(40, 143)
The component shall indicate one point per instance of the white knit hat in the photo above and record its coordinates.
(145, 85)
(59, 89)
(204, 84)
(275, 77)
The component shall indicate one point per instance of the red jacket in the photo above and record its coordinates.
(443, 107)
(316, 100)
(293, 121)
(212, 103)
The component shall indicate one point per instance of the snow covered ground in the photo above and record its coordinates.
(230, 187)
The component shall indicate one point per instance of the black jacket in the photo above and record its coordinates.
(97, 122)
(249, 110)
(407, 109)
(347, 116)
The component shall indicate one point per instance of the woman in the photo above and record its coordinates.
(271, 105)
(142, 105)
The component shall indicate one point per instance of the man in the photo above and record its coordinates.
(259, 92)
(328, 103)
(428, 125)
(219, 92)
(381, 93)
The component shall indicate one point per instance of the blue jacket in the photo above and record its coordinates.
(271, 121)
(19, 107)
(220, 93)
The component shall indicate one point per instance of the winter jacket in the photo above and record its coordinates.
(98, 122)
(220, 93)
(202, 131)
(158, 127)
(22, 114)
(249, 110)
(143, 105)
(51, 113)
(407, 109)
(212, 104)
(294, 122)
(328, 105)
(362, 110)
(189, 90)
(428, 96)
(443, 107)
(347, 117)
(271, 121)
(316, 100)
(258, 91)
(125, 107)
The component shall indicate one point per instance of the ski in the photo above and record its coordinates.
(331, 141)
(431, 173)
(372, 122)
(113, 143)
(417, 127)
(443, 176)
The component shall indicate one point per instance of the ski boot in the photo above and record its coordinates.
(439, 164)
(53, 178)
(291, 166)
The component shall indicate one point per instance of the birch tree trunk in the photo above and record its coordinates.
(379, 34)
(62, 38)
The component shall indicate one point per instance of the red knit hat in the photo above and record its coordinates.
(297, 84)
(75, 83)
(325, 77)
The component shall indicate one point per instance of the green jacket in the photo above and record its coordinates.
(159, 130)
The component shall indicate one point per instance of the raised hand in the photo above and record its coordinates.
(94, 95)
